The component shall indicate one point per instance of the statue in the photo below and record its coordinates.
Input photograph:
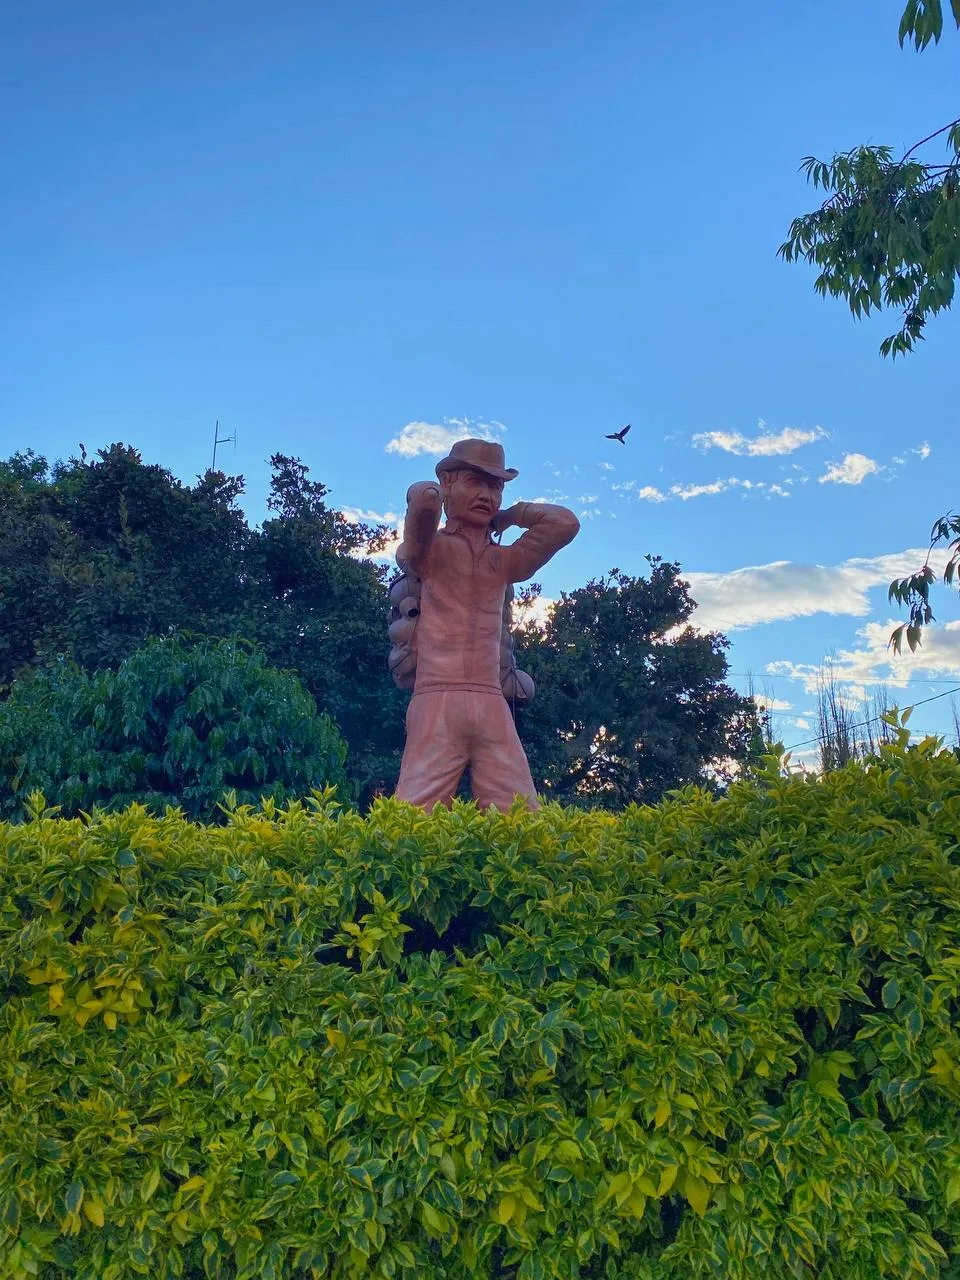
(449, 633)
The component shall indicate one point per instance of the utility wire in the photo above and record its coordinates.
(873, 719)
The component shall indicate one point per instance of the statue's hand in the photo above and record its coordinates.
(503, 519)
(426, 491)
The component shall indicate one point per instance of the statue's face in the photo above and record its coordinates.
(471, 497)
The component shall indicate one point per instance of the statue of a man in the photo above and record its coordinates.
(458, 715)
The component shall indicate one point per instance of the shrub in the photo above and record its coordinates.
(716, 1038)
(176, 723)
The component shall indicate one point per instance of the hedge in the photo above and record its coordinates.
(715, 1038)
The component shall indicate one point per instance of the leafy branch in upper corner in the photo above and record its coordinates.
(888, 234)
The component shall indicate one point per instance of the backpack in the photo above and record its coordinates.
(404, 610)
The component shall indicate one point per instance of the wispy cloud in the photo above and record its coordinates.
(766, 445)
(782, 590)
(606, 466)
(922, 451)
(854, 469)
(687, 491)
(649, 494)
(872, 662)
(437, 437)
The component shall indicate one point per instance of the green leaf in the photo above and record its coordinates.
(10, 1211)
(346, 1115)
(498, 1032)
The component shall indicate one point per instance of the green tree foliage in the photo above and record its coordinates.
(321, 611)
(888, 235)
(630, 701)
(914, 591)
(97, 556)
(177, 724)
(714, 1038)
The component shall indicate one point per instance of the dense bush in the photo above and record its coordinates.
(712, 1039)
(176, 723)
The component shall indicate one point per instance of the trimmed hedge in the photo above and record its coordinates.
(716, 1038)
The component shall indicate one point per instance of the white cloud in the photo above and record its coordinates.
(765, 445)
(649, 493)
(687, 491)
(923, 451)
(588, 497)
(854, 469)
(781, 590)
(607, 466)
(437, 438)
(771, 704)
(356, 515)
(873, 662)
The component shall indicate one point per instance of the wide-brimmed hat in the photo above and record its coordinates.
(477, 455)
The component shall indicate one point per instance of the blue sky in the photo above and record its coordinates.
(325, 225)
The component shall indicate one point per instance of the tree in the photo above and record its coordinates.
(631, 701)
(320, 608)
(888, 235)
(98, 556)
(177, 724)
(846, 734)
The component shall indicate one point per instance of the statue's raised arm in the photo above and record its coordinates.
(548, 529)
(420, 523)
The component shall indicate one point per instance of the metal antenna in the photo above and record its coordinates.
(219, 439)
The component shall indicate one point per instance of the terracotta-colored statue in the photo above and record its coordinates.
(459, 715)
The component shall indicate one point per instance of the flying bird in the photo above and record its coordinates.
(618, 435)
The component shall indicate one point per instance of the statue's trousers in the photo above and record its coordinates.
(450, 729)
